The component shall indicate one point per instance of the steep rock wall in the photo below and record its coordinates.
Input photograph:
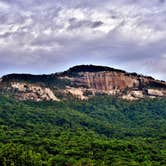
(107, 81)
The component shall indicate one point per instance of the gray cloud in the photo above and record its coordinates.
(74, 24)
(46, 36)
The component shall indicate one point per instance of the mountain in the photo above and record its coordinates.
(83, 118)
(82, 82)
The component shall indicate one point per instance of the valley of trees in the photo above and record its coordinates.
(102, 131)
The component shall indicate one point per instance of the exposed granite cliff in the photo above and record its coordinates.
(98, 79)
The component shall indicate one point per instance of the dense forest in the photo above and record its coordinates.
(102, 131)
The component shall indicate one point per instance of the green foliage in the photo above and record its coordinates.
(103, 131)
(12, 155)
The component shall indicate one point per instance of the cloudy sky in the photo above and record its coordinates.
(38, 36)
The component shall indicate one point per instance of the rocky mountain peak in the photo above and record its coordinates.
(83, 81)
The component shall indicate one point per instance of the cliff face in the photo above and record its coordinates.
(106, 81)
(85, 81)
(116, 82)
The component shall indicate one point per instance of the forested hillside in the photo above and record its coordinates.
(101, 131)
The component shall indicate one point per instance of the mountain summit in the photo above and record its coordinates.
(82, 82)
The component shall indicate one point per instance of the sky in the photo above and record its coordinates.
(38, 36)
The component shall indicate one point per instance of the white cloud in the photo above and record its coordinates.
(124, 32)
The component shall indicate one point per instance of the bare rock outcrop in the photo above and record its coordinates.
(76, 92)
(156, 92)
(26, 91)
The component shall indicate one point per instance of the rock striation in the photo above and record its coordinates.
(130, 86)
